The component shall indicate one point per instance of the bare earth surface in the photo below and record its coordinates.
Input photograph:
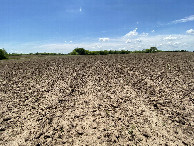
(135, 99)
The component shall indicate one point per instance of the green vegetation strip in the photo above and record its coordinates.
(82, 51)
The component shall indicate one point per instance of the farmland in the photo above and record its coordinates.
(134, 99)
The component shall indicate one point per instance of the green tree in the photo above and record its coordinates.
(105, 52)
(73, 53)
(94, 53)
(124, 52)
(81, 51)
(146, 51)
(111, 52)
(153, 50)
(3, 54)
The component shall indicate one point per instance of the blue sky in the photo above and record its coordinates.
(61, 25)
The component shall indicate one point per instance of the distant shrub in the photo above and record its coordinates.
(111, 52)
(183, 51)
(15, 54)
(105, 52)
(123, 52)
(73, 53)
(94, 53)
(136, 51)
(79, 51)
(151, 50)
(3, 54)
(177, 51)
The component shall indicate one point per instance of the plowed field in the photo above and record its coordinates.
(134, 99)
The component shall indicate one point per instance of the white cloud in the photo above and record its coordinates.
(74, 10)
(181, 42)
(144, 34)
(170, 37)
(128, 41)
(186, 19)
(190, 31)
(153, 30)
(122, 48)
(176, 43)
(138, 40)
(98, 46)
(132, 33)
(103, 39)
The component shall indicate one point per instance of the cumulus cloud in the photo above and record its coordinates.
(132, 33)
(172, 42)
(138, 40)
(122, 48)
(144, 34)
(153, 30)
(190, 31)
(103, 39)
(98, 46)
(170, 37)
(128, 41)
(176, 43)
(186, 19)
(162, 42)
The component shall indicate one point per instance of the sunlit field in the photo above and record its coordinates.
(135, 99)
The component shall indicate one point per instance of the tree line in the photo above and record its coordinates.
(82, 51)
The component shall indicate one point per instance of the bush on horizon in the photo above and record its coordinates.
(151, 50)
(3, 54)
(79, 51)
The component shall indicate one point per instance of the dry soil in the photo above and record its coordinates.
(134, 99)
